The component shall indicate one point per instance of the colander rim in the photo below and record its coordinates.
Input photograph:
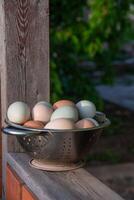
(102, 125)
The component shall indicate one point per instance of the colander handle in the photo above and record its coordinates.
(18, 132)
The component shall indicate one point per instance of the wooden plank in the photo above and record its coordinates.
(24, 60)
(26, 194)
(2, 71)
(0, 152)
(13, 185)
(74, 185)
(26, 77)
(1, 187)
(16, 190)
(108, 172)
(0, 169)
(0, 144)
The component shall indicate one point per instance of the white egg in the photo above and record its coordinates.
(60, 124)
(18, 112)
(86, 123)
(41, 112)
(45, 103)
(93, 120)
(67, 112)
(86, 109)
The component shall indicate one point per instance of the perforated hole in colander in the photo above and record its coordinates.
(65, 151)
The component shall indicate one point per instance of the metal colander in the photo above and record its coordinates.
(56, 150)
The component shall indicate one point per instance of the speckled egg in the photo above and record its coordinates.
(34, 124)
(60, 124)
(41, 112)
(67, 112)
(86, 123)
(86, 109)
(18, 112)
(61, 103)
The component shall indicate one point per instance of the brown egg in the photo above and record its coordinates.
(61, 103)
(34, 124)
(60, 123)
(85, 123)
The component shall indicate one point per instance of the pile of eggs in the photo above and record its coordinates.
(63, 114)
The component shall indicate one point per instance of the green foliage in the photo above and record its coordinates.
(75, 38)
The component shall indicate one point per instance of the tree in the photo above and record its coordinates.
(75, 39)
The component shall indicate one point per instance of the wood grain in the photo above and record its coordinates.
(73, 185)
(26, 194)
(1, 188)
(3, 86)
(24, 60)
(27, 55)
(16, 190)
(13, 185)
(0, 170)
(26, 74)
(0, 138)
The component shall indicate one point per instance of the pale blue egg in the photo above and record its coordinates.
(86, 109)
(18, 112)
(67, 112)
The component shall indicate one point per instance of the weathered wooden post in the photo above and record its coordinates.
(24, 58)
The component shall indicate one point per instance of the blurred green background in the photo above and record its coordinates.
(81, 31)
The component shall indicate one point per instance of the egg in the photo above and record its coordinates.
(41, 112)
(100, 117)
(68, 112)
(61, 103)
(60, 124)
(86, 109)
(45, 103)
(18, 112)
(86, 123)
(34, 124)
(93, 120)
